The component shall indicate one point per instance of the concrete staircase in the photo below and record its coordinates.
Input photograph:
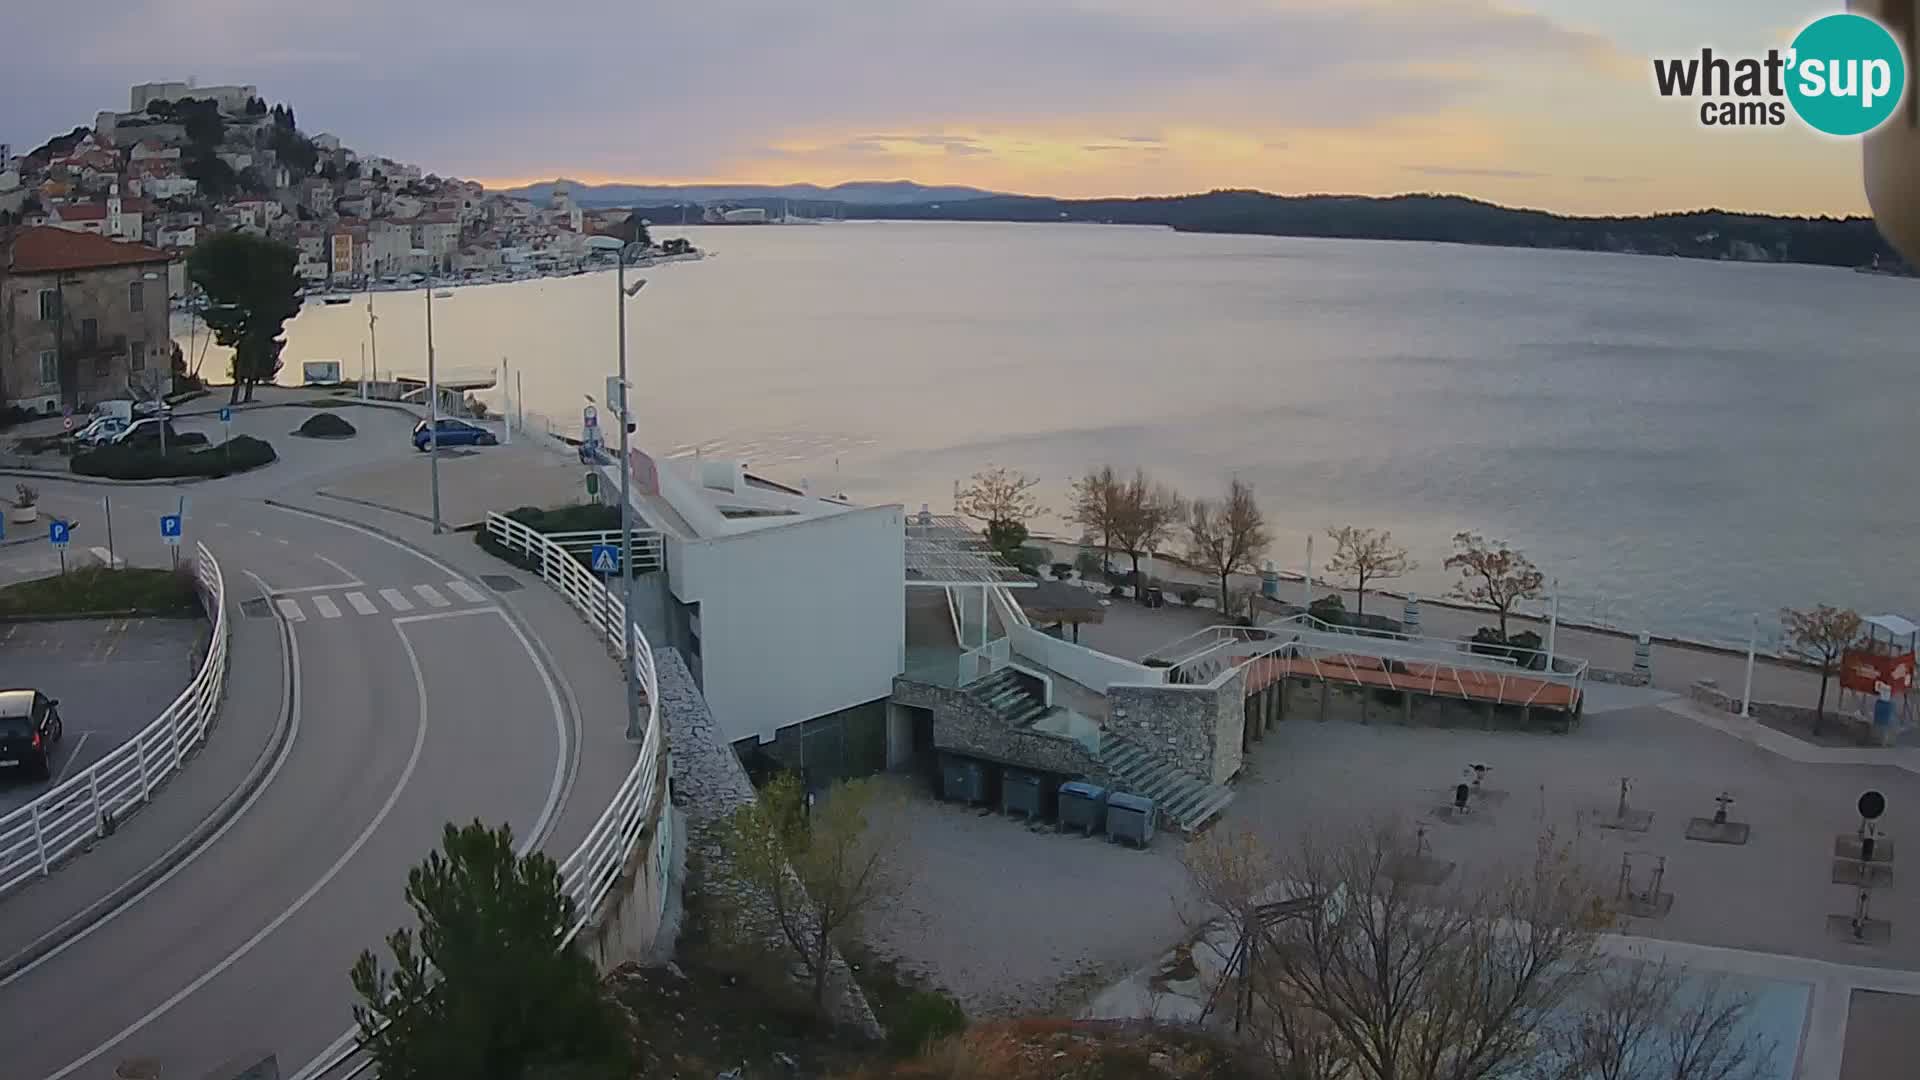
(1008, 698)
(1183, 800)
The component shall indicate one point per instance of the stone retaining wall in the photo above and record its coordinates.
(1619, 678)
(964, 725)
(1197, 728)
(1707, 692)
(708, 784)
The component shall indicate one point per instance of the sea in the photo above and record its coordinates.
(1682, 446)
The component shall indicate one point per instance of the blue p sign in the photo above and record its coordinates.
(170, 528)
(226, 415)
(57, 532)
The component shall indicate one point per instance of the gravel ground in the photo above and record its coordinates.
(1010, 920)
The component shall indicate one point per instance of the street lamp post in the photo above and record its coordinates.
(433, 418)
(622, 294)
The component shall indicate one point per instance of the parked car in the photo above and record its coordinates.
(146, 432)
(452, 432)
(29, 726)
(101, 430)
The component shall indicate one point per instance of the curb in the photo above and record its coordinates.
(76, 478)
(100, 909)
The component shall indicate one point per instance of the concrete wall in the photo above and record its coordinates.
(965, 726)
(1091, 669)
(1708, 693)
(1312, 700)
(798, 620)
(1198, 728)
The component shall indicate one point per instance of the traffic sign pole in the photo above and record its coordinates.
(106, 507)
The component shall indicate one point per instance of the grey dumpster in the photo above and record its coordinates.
(1130, 818)
(1020, 793)
(962, 780)
(1083, 806)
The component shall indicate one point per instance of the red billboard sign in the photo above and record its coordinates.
(1867, 672)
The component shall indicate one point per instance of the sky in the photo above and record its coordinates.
(1541, 103)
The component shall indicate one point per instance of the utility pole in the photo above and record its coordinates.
(433, 414)
(634, 728)
(373, 344)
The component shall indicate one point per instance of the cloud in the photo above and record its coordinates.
(1489, 174)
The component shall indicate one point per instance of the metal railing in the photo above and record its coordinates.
(979, 662)
(590, 873)
(649, 553)
(91, 803)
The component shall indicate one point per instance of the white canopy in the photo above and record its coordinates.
(1893, 624)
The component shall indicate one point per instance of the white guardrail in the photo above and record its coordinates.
(590, 873)
(89, 804)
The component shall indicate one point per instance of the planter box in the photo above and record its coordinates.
(23, 515)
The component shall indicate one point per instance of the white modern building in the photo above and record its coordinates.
(786, 604)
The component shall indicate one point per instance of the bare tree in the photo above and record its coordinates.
(1366, 555)
(816, 872)
(1493, 574)
(1148, 513)
(1641, 1020)
(1003, 499)
(1094, 504)
(1228, 536)
(1370, 975)
(1821, 636)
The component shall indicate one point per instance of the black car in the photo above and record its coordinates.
(29, 726)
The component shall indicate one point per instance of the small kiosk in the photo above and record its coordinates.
(1876, 676)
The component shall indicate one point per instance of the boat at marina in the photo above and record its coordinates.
(336, 299)
(443, 294)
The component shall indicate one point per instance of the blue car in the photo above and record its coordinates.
(452, 433)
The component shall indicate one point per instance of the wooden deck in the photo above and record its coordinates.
(1435, 680)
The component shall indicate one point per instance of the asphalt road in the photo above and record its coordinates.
(416, 702)
(111, 677)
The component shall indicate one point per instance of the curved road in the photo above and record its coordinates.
(413, 702)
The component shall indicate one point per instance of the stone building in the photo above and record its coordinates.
(79, 315)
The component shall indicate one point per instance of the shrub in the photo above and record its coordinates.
(1117, 591)
(1190, 595)
(1087, 562)
(1061, 570)
(25, 495)
(326, 425)
(122, 462)
(926, 1017)
(1329, 609)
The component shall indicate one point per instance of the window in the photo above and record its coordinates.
(89, 333)
(137, 356)
(137, 296)
(49, 305)
(50, 368)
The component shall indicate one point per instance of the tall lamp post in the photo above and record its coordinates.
(623, 293)
(433, 418)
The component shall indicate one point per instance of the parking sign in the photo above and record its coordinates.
(58, 532)
(170, 529)
(226, 415)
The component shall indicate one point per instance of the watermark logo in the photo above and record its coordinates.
(1843, 75)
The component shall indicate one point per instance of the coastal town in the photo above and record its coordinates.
(182, 162)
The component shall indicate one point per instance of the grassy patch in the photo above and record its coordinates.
(97, 589)
(122, 462)
(579, 517)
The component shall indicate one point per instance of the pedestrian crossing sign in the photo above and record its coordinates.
(606, 559)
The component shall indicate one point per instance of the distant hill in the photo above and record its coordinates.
(1706, 234)
(864, 192)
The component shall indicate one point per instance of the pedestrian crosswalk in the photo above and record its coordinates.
(392, 601)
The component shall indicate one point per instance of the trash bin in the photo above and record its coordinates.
(1020, 793)
(1083, 806)
(1154, 597)
(962, 780)
(1130, 818)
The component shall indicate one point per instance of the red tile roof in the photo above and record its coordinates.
(80, 212)
(43, 249)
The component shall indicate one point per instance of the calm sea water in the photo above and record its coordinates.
(1680, 443)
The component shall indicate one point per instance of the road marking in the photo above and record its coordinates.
(466, 592)
(396, 599)
(281, 540)
(328, 609)
(290, 708)
(247, 946)
(335, 587)
(361, 604)
(221, 525)
(352, 578)
(71, 758)
(290, 608)
(435, 616)
(255, 532)
(432, 596)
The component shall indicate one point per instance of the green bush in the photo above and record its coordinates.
(1088, 563)
(119, 462)
(326, 425)
(1329, 609)
(96, 589)
(1189, 595)
(928, 1015)
(579, 517)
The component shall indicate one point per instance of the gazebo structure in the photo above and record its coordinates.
(1056, 603)
(946, 553)
(1876, 676)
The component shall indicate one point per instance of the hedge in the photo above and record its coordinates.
(117, 462)
(326, 425)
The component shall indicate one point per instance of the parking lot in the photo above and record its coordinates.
(111, 677)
